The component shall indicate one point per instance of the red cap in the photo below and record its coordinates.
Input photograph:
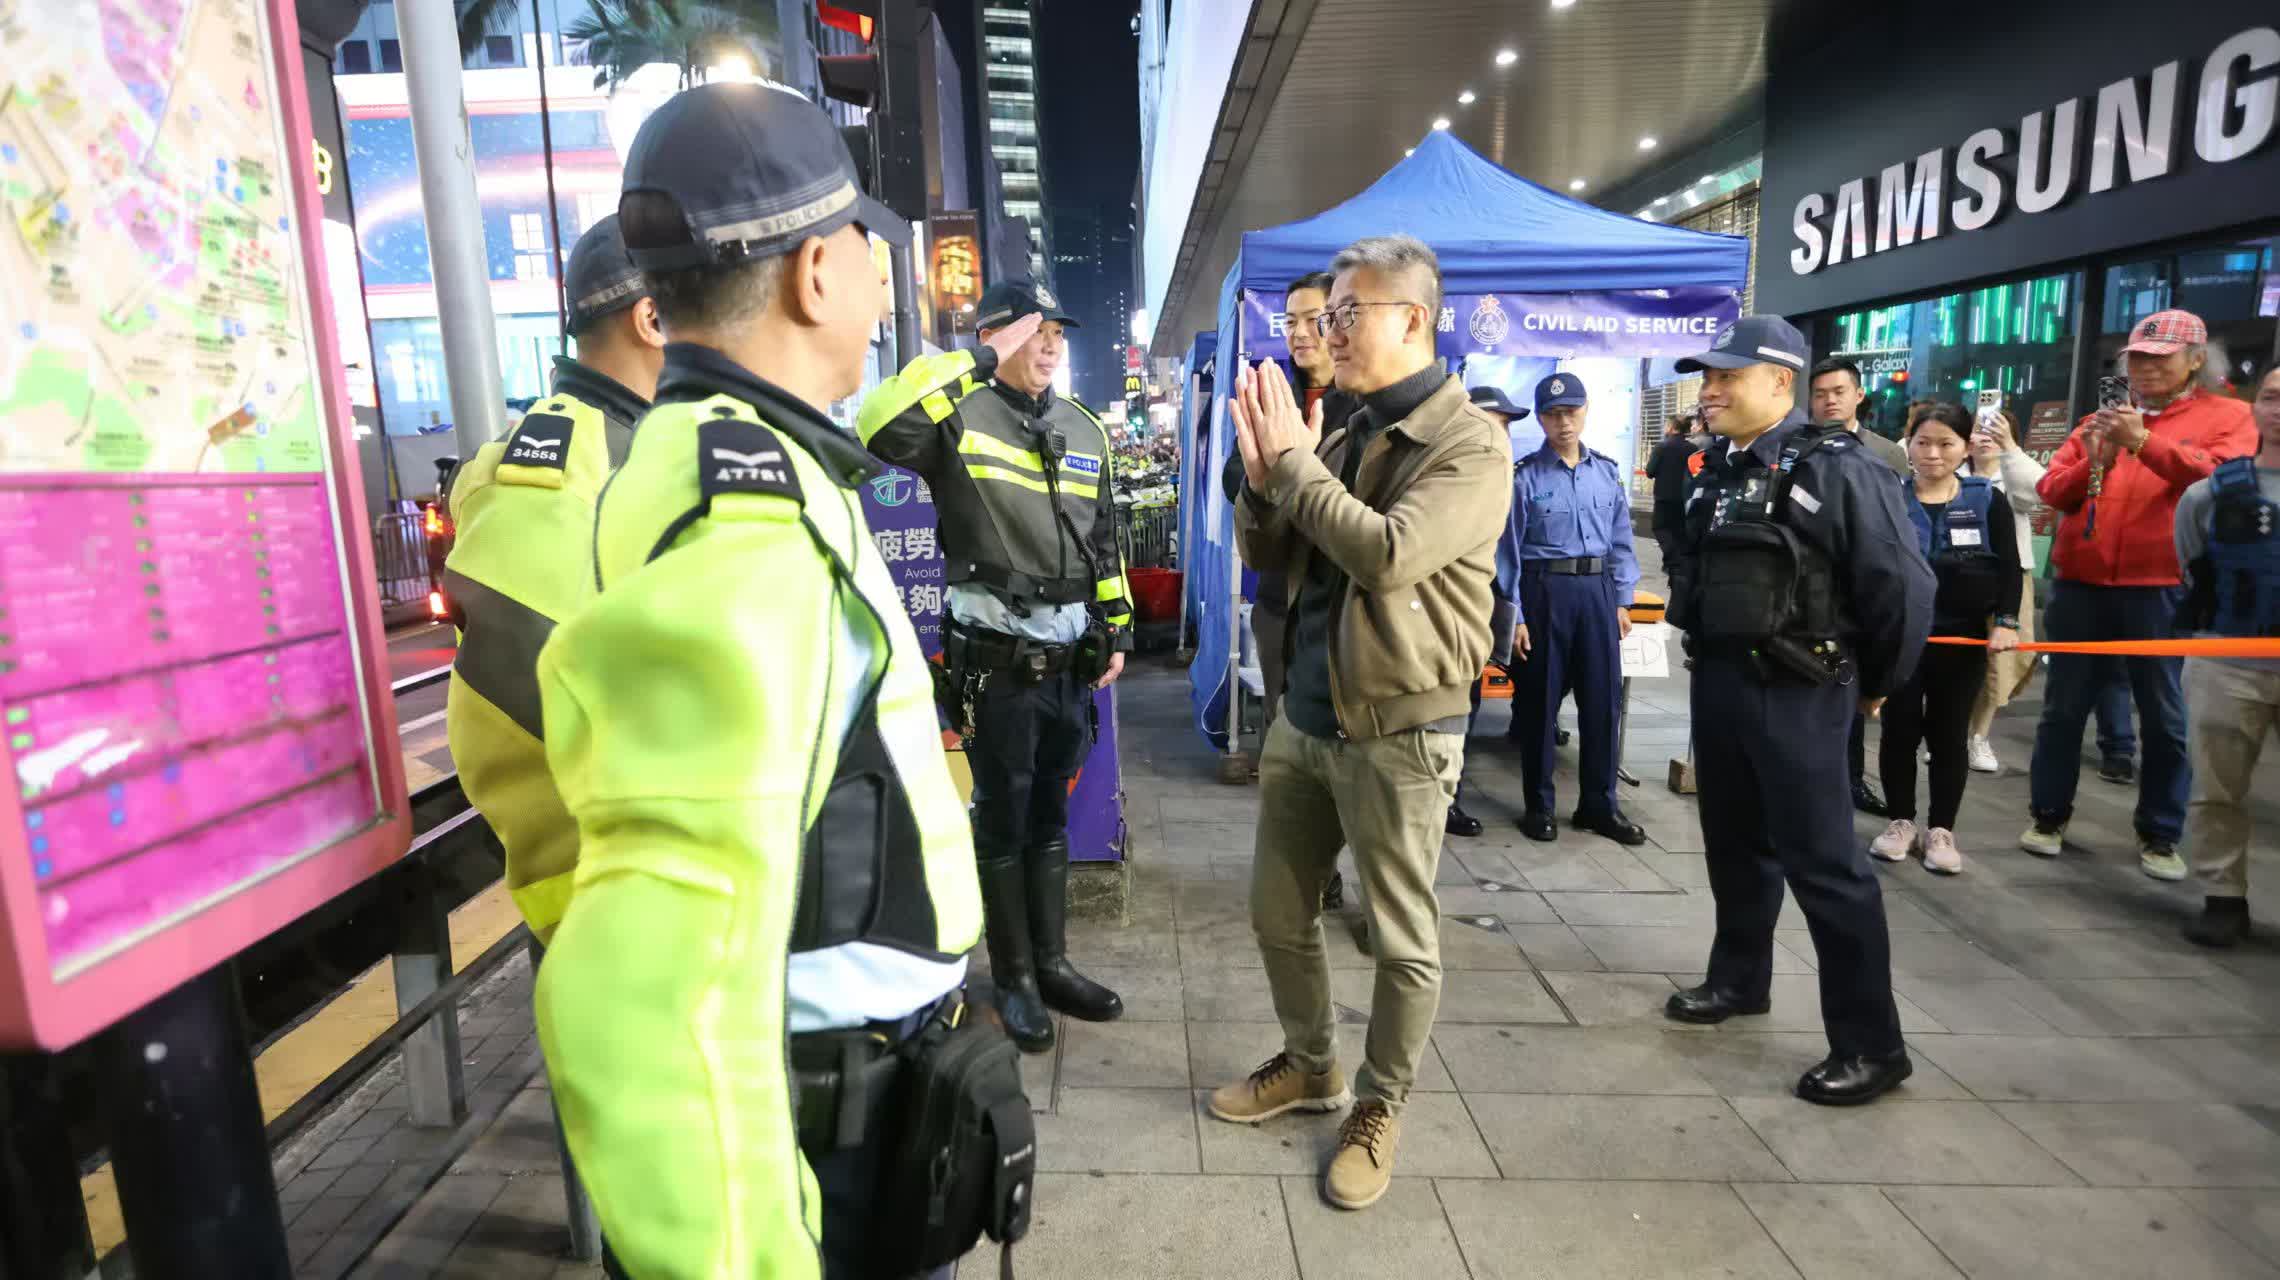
(2167, 333)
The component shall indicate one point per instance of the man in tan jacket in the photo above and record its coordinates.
(1386, 534)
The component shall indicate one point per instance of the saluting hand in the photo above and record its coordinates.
(1014, 336)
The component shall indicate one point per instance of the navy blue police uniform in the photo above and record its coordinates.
(1567, 564)
(1802, 592)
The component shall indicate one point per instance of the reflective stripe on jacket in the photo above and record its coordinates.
(985, 449)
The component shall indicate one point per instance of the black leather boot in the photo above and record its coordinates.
(1057, 980)
(1005, 927)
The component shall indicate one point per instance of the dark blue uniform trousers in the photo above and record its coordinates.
(1776, 805)
(1572, 645)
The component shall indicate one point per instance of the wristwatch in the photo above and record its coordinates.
(2007, 621)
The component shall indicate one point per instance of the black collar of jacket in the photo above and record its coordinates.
(1443, 401)
(700, 373)
(616, 400)
(1033, 406)
(1766, 448)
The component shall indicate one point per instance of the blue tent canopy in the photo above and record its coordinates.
(1494, 232)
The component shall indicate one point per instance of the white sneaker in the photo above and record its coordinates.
(1898, 840)
(1940, 853)
(2042, 841)
(1981, 756)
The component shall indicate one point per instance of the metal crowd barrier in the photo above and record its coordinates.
(1145, 534)
(399, 554)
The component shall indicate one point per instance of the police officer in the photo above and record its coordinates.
(523, 508)
(1803, 593)
(1037, 619)
(1566, 563)
(2228, 539)
(1500, 407)
(775, 886)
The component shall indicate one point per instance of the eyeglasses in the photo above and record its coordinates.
(1344, 318)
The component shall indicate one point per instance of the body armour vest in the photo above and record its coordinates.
(1019, 508)
(1956, 544)
(1755, 579)
(2244, 550)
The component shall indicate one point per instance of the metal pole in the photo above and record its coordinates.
(43, 1219)
(906, 301)
(553, 198)
(457, 258)
(187, 1145)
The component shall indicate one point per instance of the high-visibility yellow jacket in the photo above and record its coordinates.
(521, 563)
(1028, 525)
(743, 725)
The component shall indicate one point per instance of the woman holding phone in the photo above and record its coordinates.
(1972, 543)
(1997, 458)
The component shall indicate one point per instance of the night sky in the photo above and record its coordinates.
(1089, 98)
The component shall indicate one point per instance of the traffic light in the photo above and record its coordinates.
(883, 80)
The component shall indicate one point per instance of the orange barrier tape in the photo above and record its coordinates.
(2195, 647)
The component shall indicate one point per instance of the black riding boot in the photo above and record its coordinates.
(1062, 986)
(1005, 926)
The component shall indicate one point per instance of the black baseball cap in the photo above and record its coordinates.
(1009, 300)
(1560, 391)
(601, 279)
(1752, 340)
(753, 172)
(1494, 400)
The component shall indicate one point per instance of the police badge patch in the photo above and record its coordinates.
(1490, 324)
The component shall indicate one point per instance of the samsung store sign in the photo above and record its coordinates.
(2162, 149)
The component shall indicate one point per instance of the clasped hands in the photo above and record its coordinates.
(1268, 421)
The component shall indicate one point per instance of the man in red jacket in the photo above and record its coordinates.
(2115, 561)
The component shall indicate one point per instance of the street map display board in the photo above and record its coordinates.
(193, 710)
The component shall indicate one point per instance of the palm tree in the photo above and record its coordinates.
(480, 18)
(623, 36)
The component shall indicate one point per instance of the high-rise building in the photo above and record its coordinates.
(1009, 108)
(1092, 261)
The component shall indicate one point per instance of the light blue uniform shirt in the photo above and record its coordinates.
(1563, 513)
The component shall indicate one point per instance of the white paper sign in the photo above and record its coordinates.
(1646, 652)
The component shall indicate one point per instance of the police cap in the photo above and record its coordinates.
(601, 278)
(1560, 391)
(752, 170)
(1494, 400)
(1009, 300)
(1752, 340)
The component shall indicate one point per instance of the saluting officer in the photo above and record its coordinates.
(1037, 619)
(775, 886)
(524, 510)
(1803, 594)
(1566, 564)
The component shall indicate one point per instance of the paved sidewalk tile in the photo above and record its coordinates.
(1899, 1140)
(1844, 1232)
(2153, 1144)
(1404, 1235)
(1484, 1059)
(1635, 1137)
(1614, 999)
(2059, 1068)
(1752, 1064)
(2251, 1217)
(1150, 1055)
(1119, 1131)
(1150, 1227)
(1608, 1231)
(2075, 1234)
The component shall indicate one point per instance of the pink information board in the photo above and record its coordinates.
(194, 713)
